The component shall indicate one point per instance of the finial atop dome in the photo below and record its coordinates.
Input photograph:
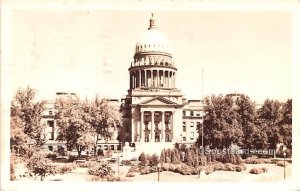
(152, 22)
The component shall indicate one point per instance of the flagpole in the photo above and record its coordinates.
(202, 115)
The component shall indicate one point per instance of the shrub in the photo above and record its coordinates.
(86, 164)
(175, 167)
(168, 160)
(208, 170)
(12, 171)
(143, 159)
(264, 169)
(39, 165)
(258, 170)
(66, 168)
(102, 170)
(240, 167)
(256, 161)
(165, 166)
(183, 147)
(281, 163)
(229, 158)
(126, 162)
(229, 167)
(217, 166)
(202, 160)
(176, 162)
(51, 155)
(145, 170)
(130, 175)
(154, 160)
(134, 169)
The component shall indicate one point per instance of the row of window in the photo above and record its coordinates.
(192, 113)
(192, 138)
(192, 125)
(145, 46)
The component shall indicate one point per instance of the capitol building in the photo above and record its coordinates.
(156, 115)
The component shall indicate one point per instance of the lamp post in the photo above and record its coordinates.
(284, 154)
(118, 164)
(158, 166)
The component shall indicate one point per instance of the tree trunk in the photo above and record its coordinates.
(79, 150)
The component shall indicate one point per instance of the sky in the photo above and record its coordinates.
(90, 51)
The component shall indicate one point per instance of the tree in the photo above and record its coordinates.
(26, 115)
(73, 128)
(270, 116)
(247, 117)
(221, 124)
(286, 124)
(103, 118)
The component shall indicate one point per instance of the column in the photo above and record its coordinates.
(174, 80)
(142, 133)
(135, 80)
(140, 78)
(151, 78)
(157, 78)
(132, 76)
(145, 78)
(152, 126)
(170, 79)
(132, 130)
(172, 127)
(163, 78)
(163, 127)
(130, 81)
(167, 79)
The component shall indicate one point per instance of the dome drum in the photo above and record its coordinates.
(153, 60)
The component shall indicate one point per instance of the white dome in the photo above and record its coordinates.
(152, 40)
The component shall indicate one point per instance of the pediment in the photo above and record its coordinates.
(158, 101)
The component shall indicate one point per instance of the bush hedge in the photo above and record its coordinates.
(39, 165)
(258, 170)
(257, 161)
(101, 169)
(281, 163)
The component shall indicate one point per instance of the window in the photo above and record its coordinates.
(198, 113)
(192, 136)
(50, 148)
(192, 113)
(50, 112)
(192, 124)
(51, 126)
(183, 113)
(198, 125)
(184, 138)
(184, 126)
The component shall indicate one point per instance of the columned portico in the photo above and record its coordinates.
(157, 118)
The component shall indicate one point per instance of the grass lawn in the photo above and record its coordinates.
(274, 173)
